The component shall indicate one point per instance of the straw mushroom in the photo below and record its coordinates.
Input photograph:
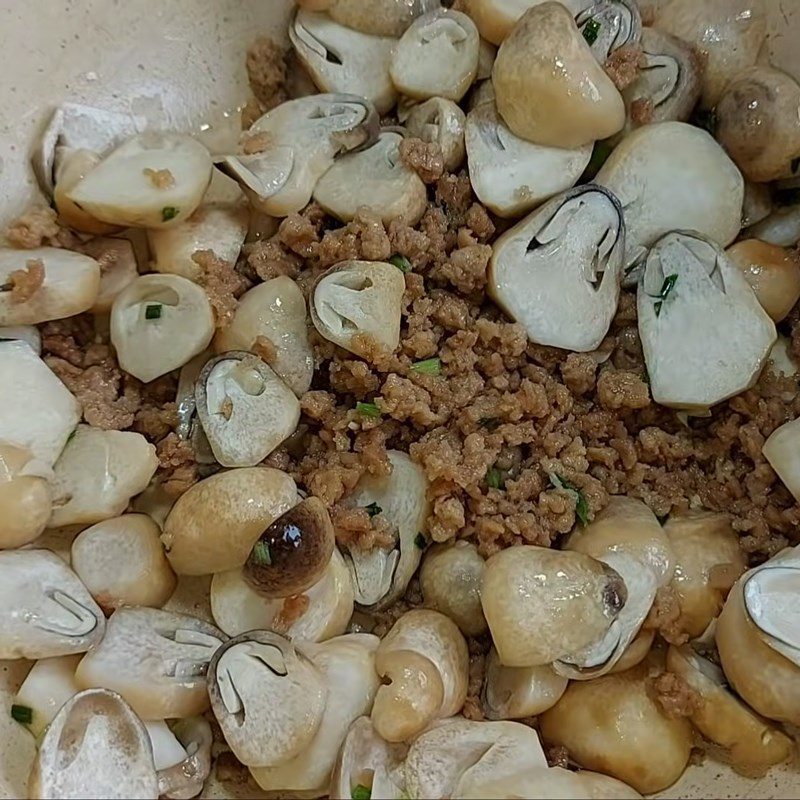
(118, 269)
(71, 167)
(98, 473)
(757, 204)
(781, 450)
(440, 121)
(95, 743)
(184, 779)
(781, 227)
(496, 18)
(213, 526)
(25, 500)
(570, 106)
(511, 175)
(558, 271)
(45, 610)
(687, 281)
(275, 311)
(487, 53)
(376, 179)
(357, 305)
(49, 684)
(23, 333)
(609, 25)
(424, 663)
(782, 361)
(156, 660)
(377, 17)
(122, 563)
(167, 750)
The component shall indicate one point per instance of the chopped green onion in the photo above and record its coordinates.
(169, 212)
(361, 793)
(420, 541)
(590, 31)
(666, 288)
(72, 435)
(373, 509)
(153, 311)
(581, 506)
(23, 714)
(657, 307)
(494, 478)
(401, 262)
(261, 554)
(368, 410)
(431, 366)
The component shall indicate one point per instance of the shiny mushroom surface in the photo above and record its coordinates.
(25, 500)
(441, 121)
(377, 17)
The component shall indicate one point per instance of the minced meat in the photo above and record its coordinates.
(24, 283)
(675, 697)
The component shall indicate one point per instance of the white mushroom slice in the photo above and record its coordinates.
(50, 683)
(609, 25)
(347, 664)
(781, 227)
(782, 361)
(167, 750)
(157, 660)
(357, 305)
(301, 137)
(158, 323)
(118, 269)
(22, 333)
(378, 17)
(376, 179)
(221, 227)
(275, 311)
(268, 697)
(70, 284)
(340, 59)
(689, 280)
(185, 779)
(496, 18)
(782, 450)
(72, 166)
(511, 175)
(558, 271)
(150, 181)
(96, 744)
(45, 609)
(425, 664)
(245, 409)
(25, 500)
(440, 121)
(519, 692)
(437, 56)
(379, 576)
(98, 473)
(122, 563)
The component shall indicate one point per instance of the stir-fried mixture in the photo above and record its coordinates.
(464, 390)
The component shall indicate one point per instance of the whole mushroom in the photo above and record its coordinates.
(441, 121)
(377, 17)
(25, 500)
(496, 18)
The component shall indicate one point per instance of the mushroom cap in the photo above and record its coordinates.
(617, 24)
(511, 175)
(119, 268)
(781, 450)
(562, 262)
(95, 743)
(378, 17)
(156, 660)
(689, 368)
(440, 121)
(186, 778)
(496, 18)
(45, 610)
(375, 178)
(49, 684)
(781, 227)
(25, 500)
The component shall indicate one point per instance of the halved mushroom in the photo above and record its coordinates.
(424, 663)
(511, 175)
(96, 744)
(157, 660)
(542, 604)
(689, 280)
(158, 323)
(702, 191)
(185, 779)
(496, 18)
(25, 500)
(609, 25)
(301, 138)
(381, 576)
(708, 561)
(49, 684)
(245, 409)
(63, 284)
(22, 333)
(150, 181)
(167, 750)
(122, 563)
(487, 53)
(378, 17)
(274, 311)
(98, 473)
(782, 361)
(340, 59)
(357, 305)
(441, 121)
(347, 664)
(781, 227)
(268, 697)
(751, 743)
(71, 167)
(376, 179)
(45, 610)
(221, 227)
(213, 526)
(519, 692)
(118, 268)
(558, 271)
(437, 56)
(569, 105)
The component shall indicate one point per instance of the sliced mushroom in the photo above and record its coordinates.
(487, 53)
(357, 305)
(186, 778)
(482, 92)
(519, 692)
(781, 450)
(376, 179)
(781, 227)
(379, 576)
(496, 18)
(25, 500)
(378, 17)
(751, 743)
(424, 663)
(268, 697)
(511, 175)
(688, 281)
(122, 563)
(558, 271)
(782, 362)
(440, 121)
(49, 684)
(157, 661)
(69, 285)
(167, 750)
(274, 311)
(609, 25)
(213, 526)
(98, 473)
(45, 609)
(245, 409)
(158, 323)
(570, 105)
(95, 744)
(118, 269)
(340, 59)
(22, 333)
(301, 138)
